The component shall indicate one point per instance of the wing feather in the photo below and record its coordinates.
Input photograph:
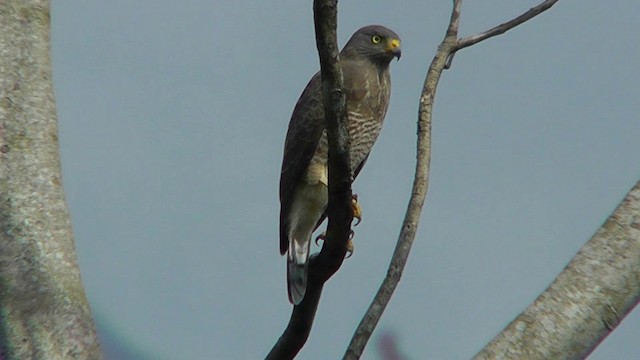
(305, 129)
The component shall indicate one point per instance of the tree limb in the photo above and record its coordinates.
(323, 265)
(442, 60)
(587, 301)
(418, 193)
(504, 27)
(44, 312)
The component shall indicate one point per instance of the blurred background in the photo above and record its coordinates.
(172, 123)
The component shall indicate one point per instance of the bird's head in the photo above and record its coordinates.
(374, 42)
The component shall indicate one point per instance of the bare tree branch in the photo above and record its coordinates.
(454, 20)
(587, 301)
(44, 311)
(504, 27)
(340, 214)
(299, 327)
(418, 193)
(441, 61)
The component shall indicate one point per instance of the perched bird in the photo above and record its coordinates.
(304, 177)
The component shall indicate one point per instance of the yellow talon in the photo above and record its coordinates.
(350, 246)
(350, 249)
(357, 211)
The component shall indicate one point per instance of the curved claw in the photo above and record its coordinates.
(350, 248)
(322, 237)
(357, 211)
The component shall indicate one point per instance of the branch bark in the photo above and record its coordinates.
(418, 193)
(442, 60)
(323, 265)
(504, 27)
(45, 314)
(587, 301)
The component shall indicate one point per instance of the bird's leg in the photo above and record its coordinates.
(350, 247)
(357, 210)
(357, 214)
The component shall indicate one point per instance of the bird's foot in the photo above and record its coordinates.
(357, 210)
(350, 246)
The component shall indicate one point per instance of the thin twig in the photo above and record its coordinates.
(504, 27)
(452, 30)
(454, 21)
(328, 261)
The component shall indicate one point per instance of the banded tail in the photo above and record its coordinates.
(297, 267)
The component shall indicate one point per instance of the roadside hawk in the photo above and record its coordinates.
(304, 177)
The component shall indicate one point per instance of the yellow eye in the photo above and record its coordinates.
(376, 39)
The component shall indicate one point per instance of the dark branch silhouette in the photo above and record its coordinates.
(442, 60)
(323, 265)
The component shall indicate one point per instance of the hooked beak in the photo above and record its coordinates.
(393, 46)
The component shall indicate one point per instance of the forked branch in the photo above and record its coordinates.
(504, 27)
(442, 60)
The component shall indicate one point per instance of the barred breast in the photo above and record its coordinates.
(366, 109)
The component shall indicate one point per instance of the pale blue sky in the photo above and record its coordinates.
(172, 121)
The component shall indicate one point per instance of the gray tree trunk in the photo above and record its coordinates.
(44, 313)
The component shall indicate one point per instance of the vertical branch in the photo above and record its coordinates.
(339, 209)
(418, 193)
(441, 61)
(45, 314)
(454, 20)
(340, 214)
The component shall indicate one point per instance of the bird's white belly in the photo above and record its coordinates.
(308, 205)
(317, 172)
